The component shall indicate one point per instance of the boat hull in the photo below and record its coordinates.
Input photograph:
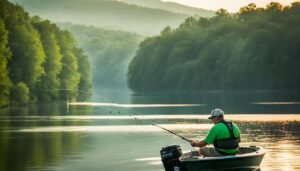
(236, 162)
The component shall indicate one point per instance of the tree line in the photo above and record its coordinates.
(38, 61)
(253, 49)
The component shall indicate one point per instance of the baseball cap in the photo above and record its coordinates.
(216, 112)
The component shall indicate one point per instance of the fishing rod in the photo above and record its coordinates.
(172, 132)
(152, 123)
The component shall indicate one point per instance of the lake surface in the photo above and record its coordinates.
(114, 133)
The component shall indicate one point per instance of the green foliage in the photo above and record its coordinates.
(5, 54)
(85, 75)
(26, 48)
(69, 75)
(256, 48)
(20, 94)
(38, 59)
(50, 81)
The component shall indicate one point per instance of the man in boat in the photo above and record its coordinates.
(224, 135)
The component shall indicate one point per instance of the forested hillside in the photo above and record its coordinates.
(109, 52)
(256, 48)
(38, 61)
(108, 14)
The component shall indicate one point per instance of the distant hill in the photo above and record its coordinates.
(171, 6)
(109, 14)
(110, 53)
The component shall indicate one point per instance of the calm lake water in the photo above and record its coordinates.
(115, 133)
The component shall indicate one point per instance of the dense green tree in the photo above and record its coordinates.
(85, 75)
(26, 47)
(69, 75)
(256, 48)
(37, 59)
(5, 54)
(50, 82)
(20, 94)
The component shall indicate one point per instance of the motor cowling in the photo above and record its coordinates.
(170, 157)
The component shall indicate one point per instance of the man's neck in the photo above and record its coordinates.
(218, 121)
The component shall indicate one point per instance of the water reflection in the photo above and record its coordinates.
(131, 105)
(21, 151)
(170, 103)
(234, 102)
(119, 128)
(276, 103)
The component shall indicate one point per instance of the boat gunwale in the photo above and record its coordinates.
(259, 152)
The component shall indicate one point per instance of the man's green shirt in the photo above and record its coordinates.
(220, 131)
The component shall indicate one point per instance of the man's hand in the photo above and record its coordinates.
(193, 143)
(201, 143)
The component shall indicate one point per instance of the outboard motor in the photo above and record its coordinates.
(170, 157)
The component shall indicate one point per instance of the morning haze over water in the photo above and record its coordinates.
(86, 85)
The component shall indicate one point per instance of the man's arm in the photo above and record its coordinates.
(209, 139)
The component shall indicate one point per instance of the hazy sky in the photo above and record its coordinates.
(230, 5)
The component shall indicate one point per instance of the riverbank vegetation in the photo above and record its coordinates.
(38, 61)
(254, 49)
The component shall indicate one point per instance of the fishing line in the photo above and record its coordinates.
(133, 111)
